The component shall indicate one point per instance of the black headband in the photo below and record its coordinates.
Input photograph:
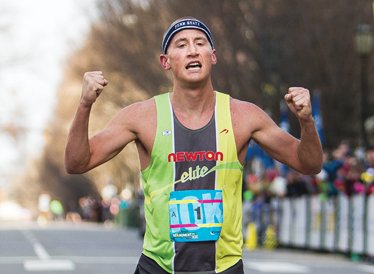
(182, 25)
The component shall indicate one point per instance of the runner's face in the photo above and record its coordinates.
(191, 56)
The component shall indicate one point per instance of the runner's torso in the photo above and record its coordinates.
(202, 163)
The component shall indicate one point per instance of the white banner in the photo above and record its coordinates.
(329, 222)
(358, 223)
(343, 223)
(285, 222)
(370, 227)
(315, 223)
(300, 222)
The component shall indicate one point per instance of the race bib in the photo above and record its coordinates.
(195, 215)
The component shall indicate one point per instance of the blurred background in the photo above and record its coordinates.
(263, 47)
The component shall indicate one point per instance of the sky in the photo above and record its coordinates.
(35, 39)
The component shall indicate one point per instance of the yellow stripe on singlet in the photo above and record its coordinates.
(179, 202)
(209, 225)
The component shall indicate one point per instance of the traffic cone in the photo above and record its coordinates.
(251, 237)
(270, 241)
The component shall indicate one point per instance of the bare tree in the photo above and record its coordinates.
(262, 47)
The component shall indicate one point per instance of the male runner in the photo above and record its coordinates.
(192, 144)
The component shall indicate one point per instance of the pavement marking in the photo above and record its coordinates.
(48, 265)
(278, 267)
(105, 260)
(41, 252)
(130, 260)
(45, 262)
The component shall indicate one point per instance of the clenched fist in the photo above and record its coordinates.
(93, 84)
(298, 101)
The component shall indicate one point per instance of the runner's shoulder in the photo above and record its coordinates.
(142, 109)
(241, 107)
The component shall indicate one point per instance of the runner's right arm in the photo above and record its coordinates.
(83, 153)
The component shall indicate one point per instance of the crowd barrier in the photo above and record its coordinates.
(339, 224)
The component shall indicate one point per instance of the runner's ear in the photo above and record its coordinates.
(164, 61)
(214, 57)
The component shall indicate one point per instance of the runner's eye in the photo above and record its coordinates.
(200, 42)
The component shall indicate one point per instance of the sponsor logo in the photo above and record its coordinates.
(166, 132)
(225, 131)
(186, 156)
(192, 174)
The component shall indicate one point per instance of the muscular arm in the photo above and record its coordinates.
(304, 154)
(77, 150)
(83, 153)
(309, 150)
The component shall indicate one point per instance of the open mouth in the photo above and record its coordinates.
(193, 65)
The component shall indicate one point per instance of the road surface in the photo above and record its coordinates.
(99, 249)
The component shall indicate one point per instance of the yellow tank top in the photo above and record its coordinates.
(187, 160)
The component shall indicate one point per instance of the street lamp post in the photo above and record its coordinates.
(364, 44)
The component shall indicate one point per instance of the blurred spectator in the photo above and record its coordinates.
(370, 158)
(345, 171)
(332, 163)
(43, 207)
(279, 186)
(296, 185)
(247, 208)
(368, 175)
(57, 210)
(90, 209)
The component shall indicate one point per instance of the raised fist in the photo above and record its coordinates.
(298, 101)
(93, 84)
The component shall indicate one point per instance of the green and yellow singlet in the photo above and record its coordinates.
(193, 190)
